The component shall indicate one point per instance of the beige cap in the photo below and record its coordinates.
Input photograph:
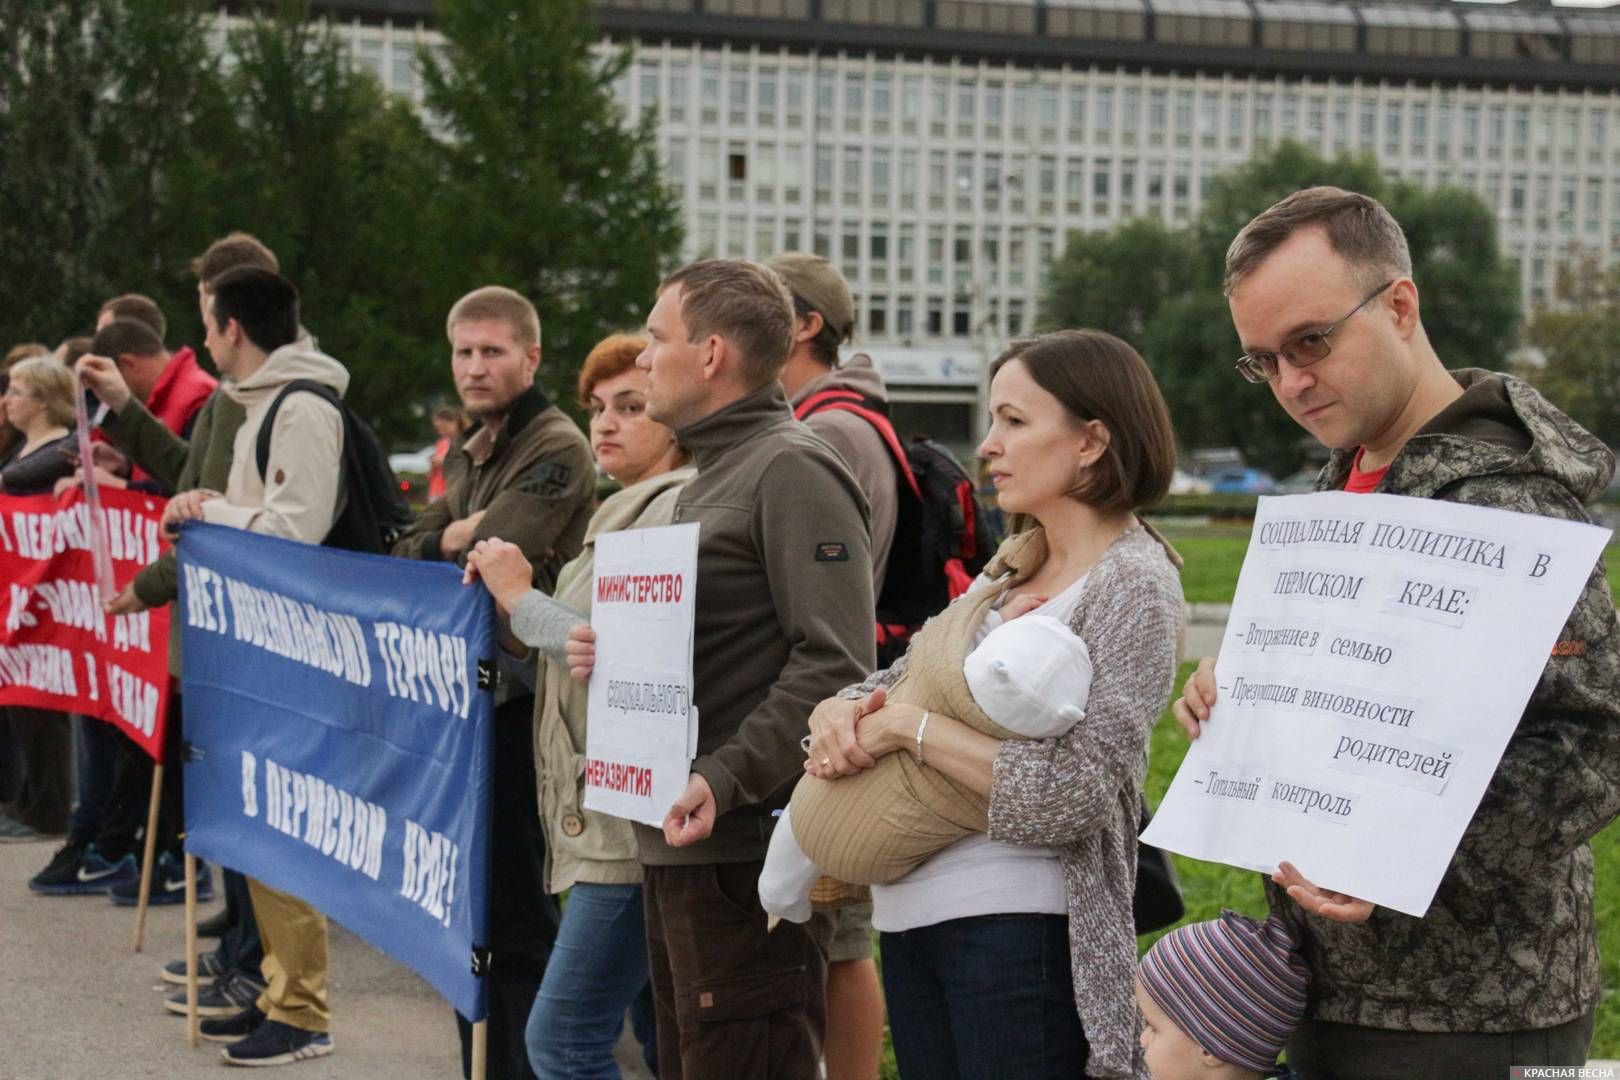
(818, 283)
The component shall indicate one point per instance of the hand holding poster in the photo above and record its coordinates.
(1378, 656)
(58, 649)
(639, 742)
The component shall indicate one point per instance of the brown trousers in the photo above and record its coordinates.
(733, 1000)
(294, 963)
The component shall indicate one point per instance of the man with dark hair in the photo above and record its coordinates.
(783, 621)
(114, 774)
(522, 472)
(136, 307)
(1503, 968)
(824, 319)
(254, 337)
(203, 461)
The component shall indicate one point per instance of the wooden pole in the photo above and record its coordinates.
(146, 861)
(480, 1048)
(191, 948)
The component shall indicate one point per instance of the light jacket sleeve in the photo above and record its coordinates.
(543, 623)
(825, 611)
(302, 479)
(1051, 792)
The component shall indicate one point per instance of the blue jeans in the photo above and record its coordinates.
(985, 997)
(598, 969)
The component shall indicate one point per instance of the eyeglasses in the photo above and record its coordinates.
(1301, 350)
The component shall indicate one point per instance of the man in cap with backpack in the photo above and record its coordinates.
(523, 473)
(922, 508)
(254, 336)
(838, 402)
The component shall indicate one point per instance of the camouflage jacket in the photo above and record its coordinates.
(1510, 941)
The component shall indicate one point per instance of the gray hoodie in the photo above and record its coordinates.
(1510, 942)
(300, 493)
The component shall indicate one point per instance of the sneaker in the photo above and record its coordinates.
(215, 925)
(225, 996)
(275, 1043)
(168, 884)
(230, 1029)
(13, 831)
(63, 869)
(208, 967)
(82, 871)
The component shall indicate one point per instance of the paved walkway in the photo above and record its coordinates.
(77, 1004)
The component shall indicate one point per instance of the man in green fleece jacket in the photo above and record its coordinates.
(783, 621)
(1503, 969)
(522, 473)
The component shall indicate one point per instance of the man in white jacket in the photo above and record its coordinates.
(254, 336)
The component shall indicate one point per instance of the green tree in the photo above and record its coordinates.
(1119, 281)
(105, 109)
(1161, 290)
(550, 191)
(1579, 339)
(338, 177)
(164, 114)
(1469, 292)
(52, 183)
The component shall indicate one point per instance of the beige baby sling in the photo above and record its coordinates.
(878, 825)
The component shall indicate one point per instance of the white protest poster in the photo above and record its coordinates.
(638, 740)
(1378, 656)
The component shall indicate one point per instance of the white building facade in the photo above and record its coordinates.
(940, 150)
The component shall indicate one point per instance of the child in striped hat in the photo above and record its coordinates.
(1220, 999)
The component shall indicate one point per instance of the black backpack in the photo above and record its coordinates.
(374, 512)
(940, 540)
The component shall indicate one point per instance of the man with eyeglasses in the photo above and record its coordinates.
(1503, 969)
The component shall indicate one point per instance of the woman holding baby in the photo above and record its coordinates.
(1012, 952)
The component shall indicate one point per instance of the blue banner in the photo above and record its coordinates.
(340, 739)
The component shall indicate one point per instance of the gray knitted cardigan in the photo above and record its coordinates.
(1080, 792)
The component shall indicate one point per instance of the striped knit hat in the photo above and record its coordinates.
(1233, 985)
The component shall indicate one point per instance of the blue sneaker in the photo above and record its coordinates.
(76, 871)
(168, 884)
(275, 1043)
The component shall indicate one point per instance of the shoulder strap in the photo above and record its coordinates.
(262, 445)
(853, 401)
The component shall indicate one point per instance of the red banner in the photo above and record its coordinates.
(59, 649)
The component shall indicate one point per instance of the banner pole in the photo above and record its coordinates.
(191, 948)
(480, 1048)
(146, 859)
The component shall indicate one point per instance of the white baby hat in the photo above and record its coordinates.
(1032, 676)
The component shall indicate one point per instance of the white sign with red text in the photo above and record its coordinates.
(638, 741)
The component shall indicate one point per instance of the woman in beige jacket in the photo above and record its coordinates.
(598, 967)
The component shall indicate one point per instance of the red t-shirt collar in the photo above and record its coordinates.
(1361, 482)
